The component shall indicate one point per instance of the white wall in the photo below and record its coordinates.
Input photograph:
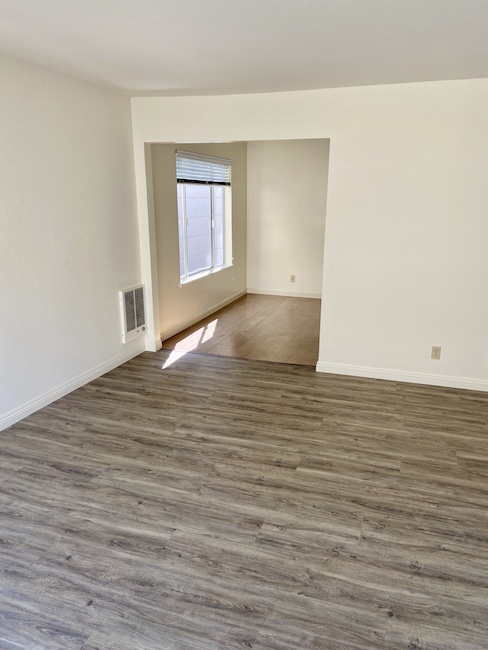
(405, 262)
(68, 234)
(286, 199)
(181, 305)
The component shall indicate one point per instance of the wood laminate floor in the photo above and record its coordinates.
(223, 503)
(265, 328)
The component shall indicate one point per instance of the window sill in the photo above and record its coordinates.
(204, 274)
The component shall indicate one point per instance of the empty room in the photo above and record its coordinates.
(154, 497)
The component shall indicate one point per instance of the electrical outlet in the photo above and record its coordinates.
(292, 278)
(436, 352)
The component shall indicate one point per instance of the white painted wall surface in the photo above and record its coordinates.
(68, 234)
(286, 202)
(181, 305)
(406, 263)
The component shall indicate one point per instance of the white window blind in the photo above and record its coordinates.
(198, 168)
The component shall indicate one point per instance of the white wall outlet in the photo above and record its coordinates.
(292, 278)
(436, 352)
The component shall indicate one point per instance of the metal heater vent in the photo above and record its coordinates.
(132, 313)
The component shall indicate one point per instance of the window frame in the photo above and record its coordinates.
(205, 175)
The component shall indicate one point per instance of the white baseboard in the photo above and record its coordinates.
(399, 375)
(154, 346)
(288, 294)
(182, 326)
(21, 412)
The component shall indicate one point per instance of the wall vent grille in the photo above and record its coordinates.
(132, 313)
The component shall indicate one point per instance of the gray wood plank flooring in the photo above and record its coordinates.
(264, 328)
(222, 503)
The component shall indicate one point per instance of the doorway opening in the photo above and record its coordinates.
(264, 302)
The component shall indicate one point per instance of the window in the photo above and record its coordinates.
(204, 227)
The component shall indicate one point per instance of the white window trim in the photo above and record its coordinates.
(227, 214)
(204, 274)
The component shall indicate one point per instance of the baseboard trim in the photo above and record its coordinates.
(21, 412)
(182, 326)
(286, 294)
(403, 376)
(153, 346)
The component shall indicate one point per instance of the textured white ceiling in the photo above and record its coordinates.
(180, 47)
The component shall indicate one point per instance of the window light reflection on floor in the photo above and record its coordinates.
(191, 342)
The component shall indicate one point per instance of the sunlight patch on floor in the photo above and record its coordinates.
(191, 343)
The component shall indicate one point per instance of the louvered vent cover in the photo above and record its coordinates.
(132, 313)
